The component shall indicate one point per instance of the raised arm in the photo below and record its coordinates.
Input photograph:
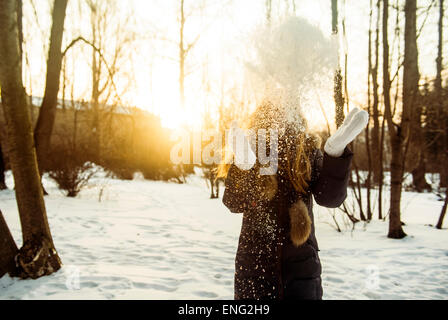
(330, 178)
(331, 170)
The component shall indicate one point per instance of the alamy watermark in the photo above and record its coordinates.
(372, 281)
(72, 280)
(207, 147)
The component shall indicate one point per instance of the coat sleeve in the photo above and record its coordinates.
(329, 179)
(239, 193)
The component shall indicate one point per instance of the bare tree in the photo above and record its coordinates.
(183, 46)
(411, 105)
(184, 50)
(368, 182)
(375, 138)
(377, 134)
(19, 12)
(441, 116)
(98, 13)
(108, 43)
(38, 256)
(396, 133)
(411, 96)
(182, 55)
(374, 135)
(47, 114)
(439, 93)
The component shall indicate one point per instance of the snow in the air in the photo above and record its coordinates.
(156, 240)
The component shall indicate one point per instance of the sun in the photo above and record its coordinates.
(160, 96)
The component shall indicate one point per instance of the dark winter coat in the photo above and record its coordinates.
(267, 264)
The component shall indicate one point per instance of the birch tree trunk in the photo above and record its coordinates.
(38, 255)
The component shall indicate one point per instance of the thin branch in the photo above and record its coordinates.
(111, 74)
(426, 17)
(192, 44)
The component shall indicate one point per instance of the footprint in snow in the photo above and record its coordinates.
(206, 294)
(142, 285)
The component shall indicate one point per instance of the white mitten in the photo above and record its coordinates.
(354, 123)
(244, 156)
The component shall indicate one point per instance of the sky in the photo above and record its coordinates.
(148, 75)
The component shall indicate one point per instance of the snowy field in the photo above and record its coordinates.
(155, 240)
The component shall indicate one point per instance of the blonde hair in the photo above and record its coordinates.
(298, 166)
(299, 170)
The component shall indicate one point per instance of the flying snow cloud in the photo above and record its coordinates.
(290, 62)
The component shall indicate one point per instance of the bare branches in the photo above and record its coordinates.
(192, 44)
(103, 59)
(386, 75)
(426, 12)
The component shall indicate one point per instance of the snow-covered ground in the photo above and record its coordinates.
(157, 240)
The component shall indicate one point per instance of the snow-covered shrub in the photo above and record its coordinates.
(70, 169)
(72, 179)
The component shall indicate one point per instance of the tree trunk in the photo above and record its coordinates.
(396, 166)
(377, 165)
(381, 159)
(95, 104)
(368, 182)
(38, 256)
(212, 185)
(96, 76)
(47, 114)
(2, 170)
(19, 12)
(441, 115)
(217, 186)
(412, 108)
(378, 129)
(418, 174)
(444, 169)
(442, 213)
(182, 54)
(8, 249)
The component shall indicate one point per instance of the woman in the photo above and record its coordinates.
(277, 256)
